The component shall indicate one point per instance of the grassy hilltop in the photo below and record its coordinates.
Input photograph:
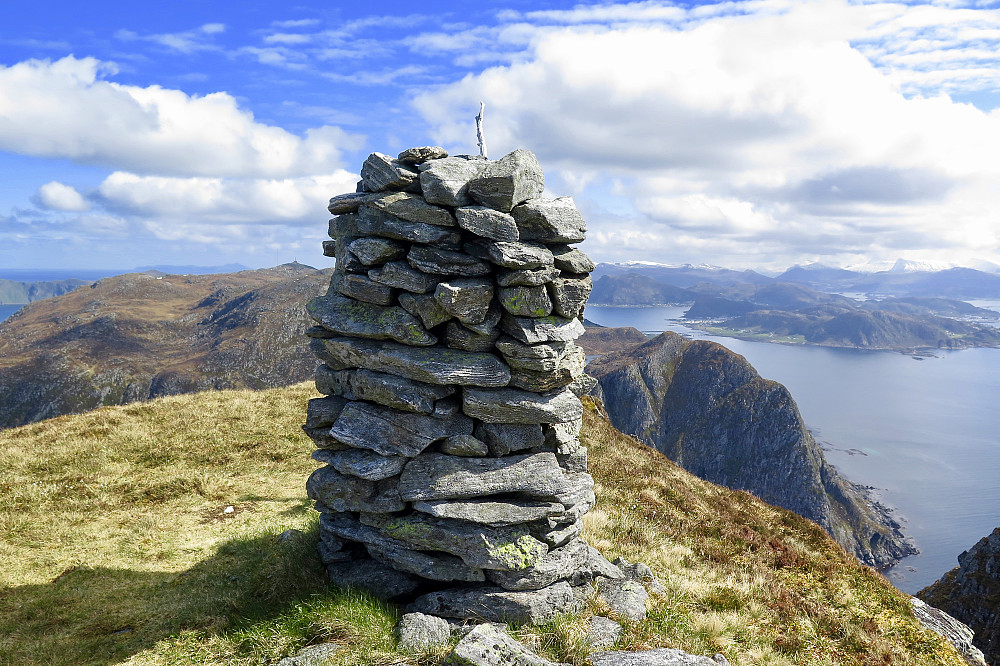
(150, 534)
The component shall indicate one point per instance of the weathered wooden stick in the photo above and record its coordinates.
(479, 130)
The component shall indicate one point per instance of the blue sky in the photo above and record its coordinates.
(759, 133)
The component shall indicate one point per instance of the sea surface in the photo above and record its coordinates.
(8, 310)
(924, 432)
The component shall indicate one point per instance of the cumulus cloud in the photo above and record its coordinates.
(57, 196)
(764, 128)
(68, 109)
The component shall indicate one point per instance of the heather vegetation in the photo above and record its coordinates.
(158, 533)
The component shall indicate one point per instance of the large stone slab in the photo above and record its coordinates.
(528, 277)
(479, 546)
(558, 564)
(322, 412)
(494, 604)
(434, 365)
(467, 299)
(349, 203)
(426, 308)
(379, 579)
(492, 513)
(512, 254)
(421, 154)
(401, 275)
(349, 317)
(381, 172)
(344, 226)
(487, 223)
(514, 178)
(376, 251)
(457, 336)
(512, 348)
(532, 330)
(550, 221)
(446, 262)
(517, 406)
(362, 288)
(346, 527)
(343, 492)
(418, 632)
(383, 388)
(426, 565)
(413, 208)
(435, 476)
(569, 295)
(571, 259)
(487, 645)
(446, 181)
(526, 301)
(362, 463)
(563, 373)
(391, 432)
(505, 438)
(375, 222)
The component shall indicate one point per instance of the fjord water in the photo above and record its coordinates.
(8, 310)
(924, 433)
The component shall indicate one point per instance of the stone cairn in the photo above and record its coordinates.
(454, 476)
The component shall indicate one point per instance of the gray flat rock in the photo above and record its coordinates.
(345, 527)
(397, 392)
(492, 513)
(343, 492)
(446, 262)
(379, 579)
(498, 605)
(487, 223)
(422, 154)
(487, 645)
(349, 203)
(565, 371)
(517, 406)
(381, 172)
(603, 632)
(657, 657)
(376, 251)
(392, 432)
(457, 336)
(505, 438)
(479, 546)
(375, 222)
(412, 208)
(514, 254)
(446, 181)
(569, 295)
(434, 476)
(467, 299)
(344, 226)
(401, 275)
(526, 301)
(550, 221)
(512, 348)
(576, 461)
(349, 317)
(418, 632)
(362, 288)
(434, 365)
(625, 597)
(432, 567)
(362, 463)
(528, 277)
(425, 308)
(571, 259)
(514, 178)
(489, 324)
(313, 655)
(464, 445)
(322, 412)
(532, 330)
(558, 564)
(563, 437)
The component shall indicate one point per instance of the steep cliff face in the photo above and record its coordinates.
(137, 336)
(971, 593)
(708, 410)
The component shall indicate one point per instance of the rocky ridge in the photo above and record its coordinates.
(709, 411)
(971, 593)
(453, 476)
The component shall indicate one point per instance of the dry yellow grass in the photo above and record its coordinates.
(118, 549)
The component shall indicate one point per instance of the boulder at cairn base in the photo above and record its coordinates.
(495, 604)
(513, 179)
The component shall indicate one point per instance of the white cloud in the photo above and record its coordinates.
(67, 109)
(57, 196)
(187, 41)
(764, 128)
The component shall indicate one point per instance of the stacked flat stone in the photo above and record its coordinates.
(454, 474)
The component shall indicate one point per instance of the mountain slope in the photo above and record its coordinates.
(118, 549)
(137, 336)
(709, 411)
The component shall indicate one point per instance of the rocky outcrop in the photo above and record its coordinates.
(709, 411)
(453, 476)
(971, 594)
(958, 634)
(138, 336)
